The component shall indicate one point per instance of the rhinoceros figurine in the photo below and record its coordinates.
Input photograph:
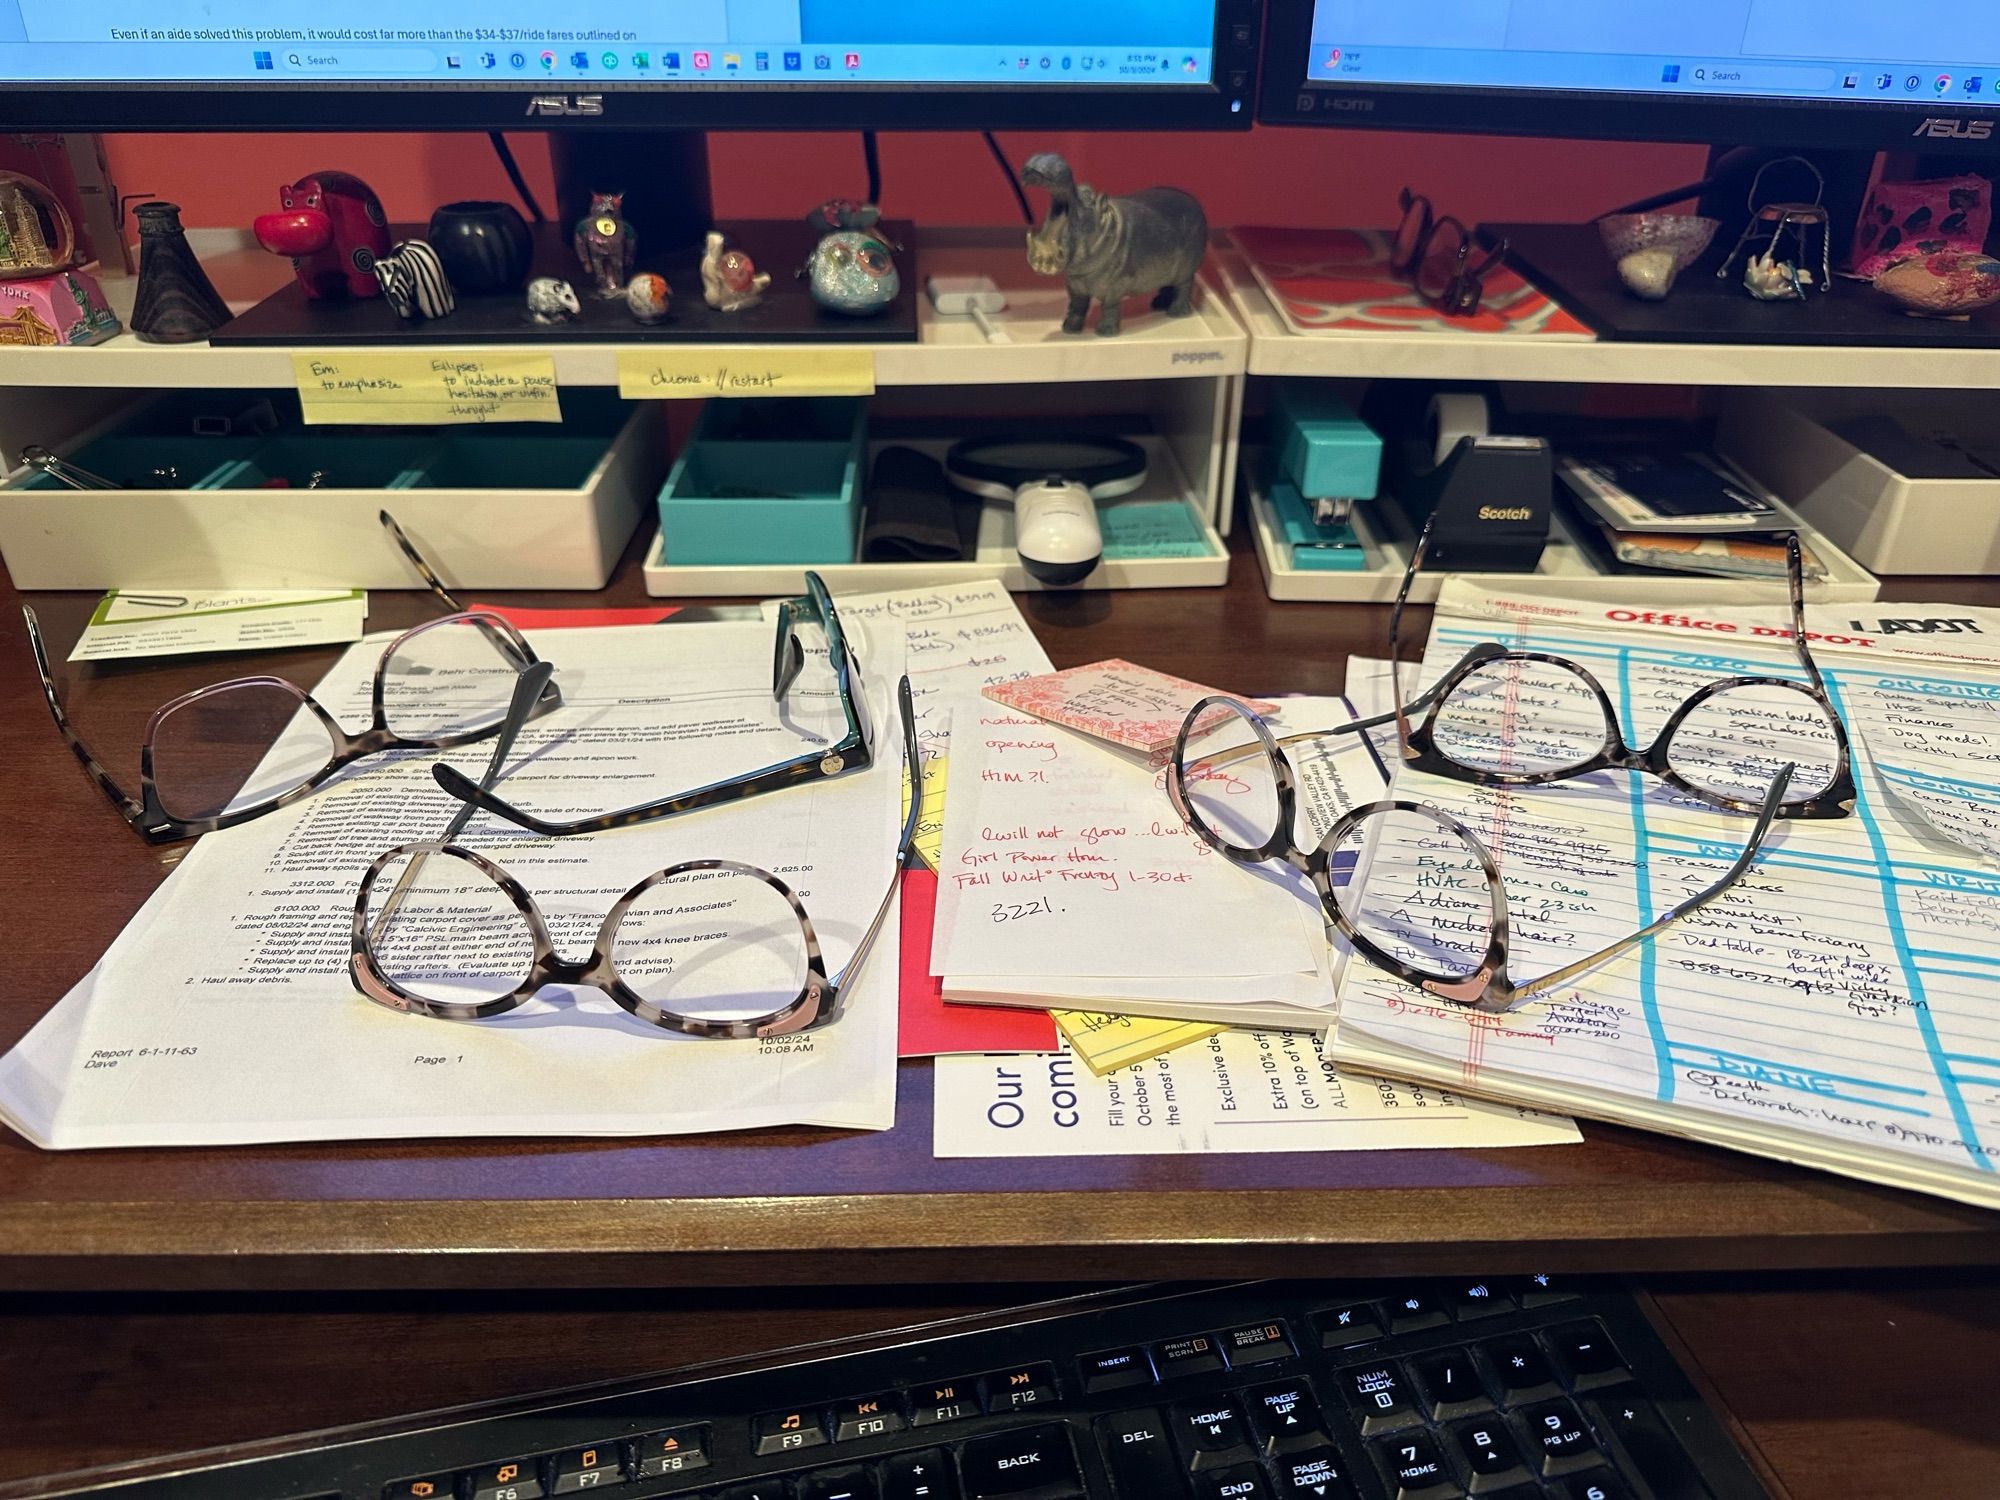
(1112, 248)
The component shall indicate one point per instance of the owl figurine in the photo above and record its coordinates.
(852, 272)
(730, 280)
(606, 245)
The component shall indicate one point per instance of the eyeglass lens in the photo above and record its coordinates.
(443, 930)
(712, 945)
(448, 679)
(1411, 232)
(1425, 899)
(235, 746)
(1227, 779)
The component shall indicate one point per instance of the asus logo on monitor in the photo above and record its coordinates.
(1943, 129)
(566, 106)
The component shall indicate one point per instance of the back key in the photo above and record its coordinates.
(1036, 1463)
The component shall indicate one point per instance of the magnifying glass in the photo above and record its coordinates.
(1054, 484)
(293, 59)
(1701, 75)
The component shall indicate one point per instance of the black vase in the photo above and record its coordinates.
(485, 247)
(176, 302)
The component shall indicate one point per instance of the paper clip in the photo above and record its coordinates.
(64, 472)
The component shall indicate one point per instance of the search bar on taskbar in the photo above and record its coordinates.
(362, 61)
(1733, 76)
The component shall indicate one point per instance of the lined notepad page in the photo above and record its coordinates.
(1840, 1005)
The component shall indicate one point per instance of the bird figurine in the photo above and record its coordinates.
(1771, 280)
(606, 244)
(852, 272)
(730, 280)
(648, 297)
(551, 301)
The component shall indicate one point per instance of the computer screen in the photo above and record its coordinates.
(1803, 72)
(720, 62)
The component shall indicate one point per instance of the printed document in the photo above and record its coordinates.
(224, 1013)
(1236, 1091)
(1840, 1006)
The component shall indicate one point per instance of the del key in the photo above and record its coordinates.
(1140, 1458)
(1036, 1463)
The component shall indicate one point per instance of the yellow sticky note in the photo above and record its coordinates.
(427, 390)
(929, 837)
(1107, 1043)
(696, 371)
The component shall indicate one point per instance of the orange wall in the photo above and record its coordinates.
(1288, 176)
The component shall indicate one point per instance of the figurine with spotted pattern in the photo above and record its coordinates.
(606, 245)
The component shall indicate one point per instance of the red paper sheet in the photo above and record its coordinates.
(928, 1025)
(523, 618)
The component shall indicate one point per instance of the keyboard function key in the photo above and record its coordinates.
(1480, 1299)
(1035, 1463)
(1029, 1385)
(1587, 1355)
(867, 1417)
(583, 1469)
(1244, 1482)
(1115, 1370)
(513, 1479)
(1545, 1290)
(1522, 1369)
(1488, 1452)
(1320, 1474)
(1196, 1355)
(1415, 1467)
(1344, 1327)
(1213, 1433)
(1414, 1310)
(1258, 1344)
(924, 1475)
(786, 1432)
(679, 1450)
(838, 1484)
(1451, 1382)
(943, 1401)
(1285, 1417)
(423, 1487)
(1140, 1457)
(1380, 1396)
(1560, 1438)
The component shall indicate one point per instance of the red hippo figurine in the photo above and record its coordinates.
(334, 230)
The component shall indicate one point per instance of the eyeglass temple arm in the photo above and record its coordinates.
(1795, 575)
(128, 806)
(789, 657)
(529, 685)
(1773, 800)
(424, 569)
(1401, 716)
(1374, 721)
(905, 844)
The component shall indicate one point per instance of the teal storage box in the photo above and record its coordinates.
(1321, 446)
(767, 481)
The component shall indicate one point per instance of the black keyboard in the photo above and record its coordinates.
(1507, 1389)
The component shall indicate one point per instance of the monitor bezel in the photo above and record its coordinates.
(738, 104)
(1287, 96)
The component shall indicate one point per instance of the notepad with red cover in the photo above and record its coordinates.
(1132, 707)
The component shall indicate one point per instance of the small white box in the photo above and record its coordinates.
(1839, 458)
(307, 538)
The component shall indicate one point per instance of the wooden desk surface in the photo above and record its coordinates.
(798, 1206)
(1868, 1387)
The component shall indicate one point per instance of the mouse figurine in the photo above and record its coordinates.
(551, 301)
(851, 272)
(730, 280)
(606, 245)
(1113, 248)
(648, 297)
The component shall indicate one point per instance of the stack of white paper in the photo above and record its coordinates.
(1067, 879)
(224, 1013)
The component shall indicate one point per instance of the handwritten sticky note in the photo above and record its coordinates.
(1107, 1043)
(1151, 528)
(930, 817)
(1129, 706)
(426, 390)
(698, 372)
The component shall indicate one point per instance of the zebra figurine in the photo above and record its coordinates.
(413, 281)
